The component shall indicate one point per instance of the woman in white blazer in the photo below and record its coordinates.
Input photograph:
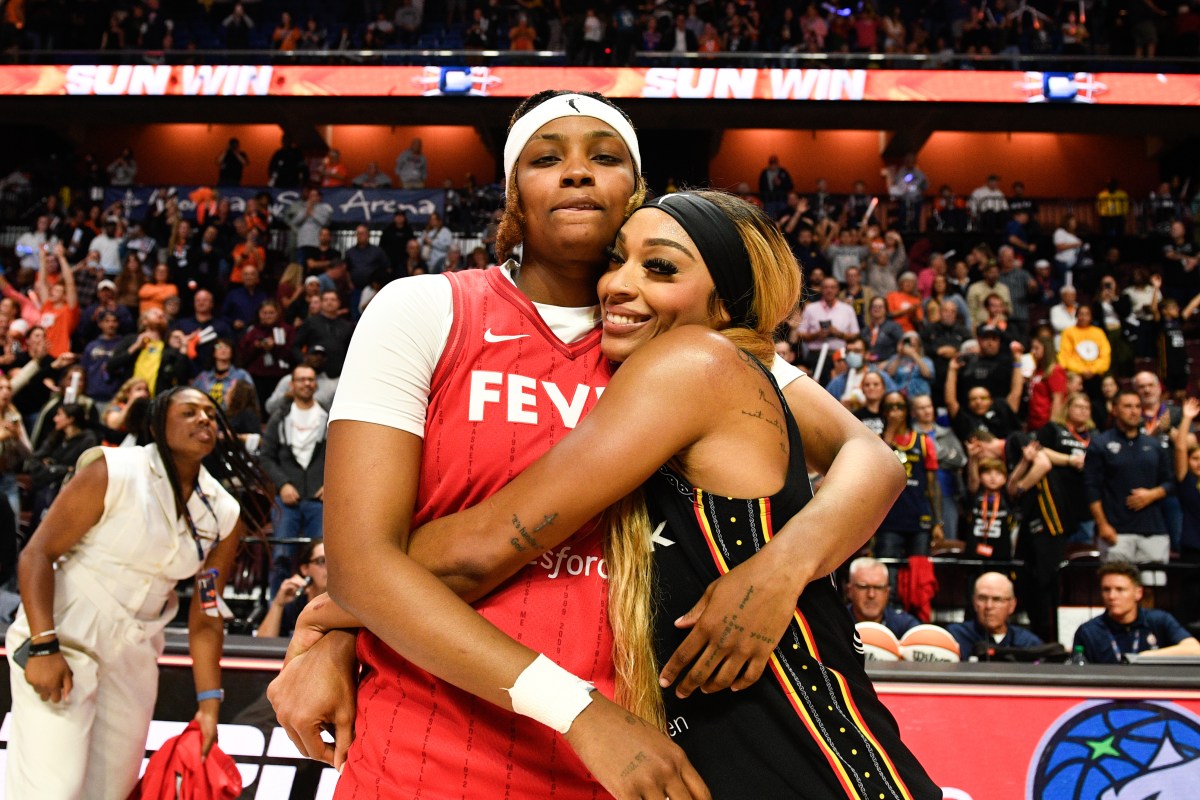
(97, 586)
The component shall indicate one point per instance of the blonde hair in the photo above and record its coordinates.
(628, 551)
(293, 275)
(122, 395)
(1061, 417)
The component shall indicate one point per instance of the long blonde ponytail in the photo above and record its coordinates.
(630, 557)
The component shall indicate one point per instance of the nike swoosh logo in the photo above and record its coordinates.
(488, 336)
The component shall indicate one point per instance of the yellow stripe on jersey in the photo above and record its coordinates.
(794, 695)
(1049, 509)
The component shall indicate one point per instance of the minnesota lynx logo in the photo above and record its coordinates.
(1118, 751)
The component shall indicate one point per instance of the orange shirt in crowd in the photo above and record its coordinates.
(153, 295)
(333, 175)
(245, 255)
(900, 301)
(59, 321)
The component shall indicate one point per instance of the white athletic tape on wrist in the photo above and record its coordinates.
(547, 693)
(567, 105)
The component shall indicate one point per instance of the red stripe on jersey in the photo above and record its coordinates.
(505, 390)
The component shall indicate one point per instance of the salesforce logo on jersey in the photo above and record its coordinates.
(1102, 750)
(270, 765)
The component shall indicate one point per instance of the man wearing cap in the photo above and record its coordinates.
(869, 591)
(100, 385)
(994, 604)
(993, 369)
(106, 302)
(1048, 286)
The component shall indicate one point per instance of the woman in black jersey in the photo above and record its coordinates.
(693, 442)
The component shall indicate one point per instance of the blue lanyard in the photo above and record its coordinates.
(1137, 643)
(187, 515)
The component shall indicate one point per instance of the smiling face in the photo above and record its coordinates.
(191, 424)
(574, 178)
(656, 281)
(872, 387)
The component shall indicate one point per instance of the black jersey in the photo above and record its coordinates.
(812, 726)
(1066, 483)
(989, 535)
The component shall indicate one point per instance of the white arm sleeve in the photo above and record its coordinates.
(395, 349)
(784, 372)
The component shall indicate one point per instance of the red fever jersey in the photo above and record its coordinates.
(504, 391)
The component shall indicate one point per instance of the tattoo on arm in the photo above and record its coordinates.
(771, 417)
(526, 536)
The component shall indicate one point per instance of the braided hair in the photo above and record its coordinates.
(245, 478)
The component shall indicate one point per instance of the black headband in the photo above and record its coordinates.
(720, 246)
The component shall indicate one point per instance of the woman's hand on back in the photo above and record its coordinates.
(736, 625)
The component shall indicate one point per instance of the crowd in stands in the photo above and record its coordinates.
(613, 32)
(1034, 383)
(1036, 393)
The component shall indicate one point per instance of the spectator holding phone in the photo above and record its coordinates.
(829, 321)
(310, 580)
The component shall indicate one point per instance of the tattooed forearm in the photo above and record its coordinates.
(526, 536)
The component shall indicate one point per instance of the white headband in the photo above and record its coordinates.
(566, 105)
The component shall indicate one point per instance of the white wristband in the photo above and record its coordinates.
(546, 692)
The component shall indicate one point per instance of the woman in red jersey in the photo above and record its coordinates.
(803, 720)
(574, 172)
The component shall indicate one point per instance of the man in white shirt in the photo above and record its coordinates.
(293, 455)
(30, 245)
(988, 204)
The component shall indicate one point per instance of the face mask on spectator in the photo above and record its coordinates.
(854, 360)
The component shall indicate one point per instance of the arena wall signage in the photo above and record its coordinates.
(709, 83)
(350, 206)
(989, 741)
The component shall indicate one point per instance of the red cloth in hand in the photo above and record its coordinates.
(177, 771)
